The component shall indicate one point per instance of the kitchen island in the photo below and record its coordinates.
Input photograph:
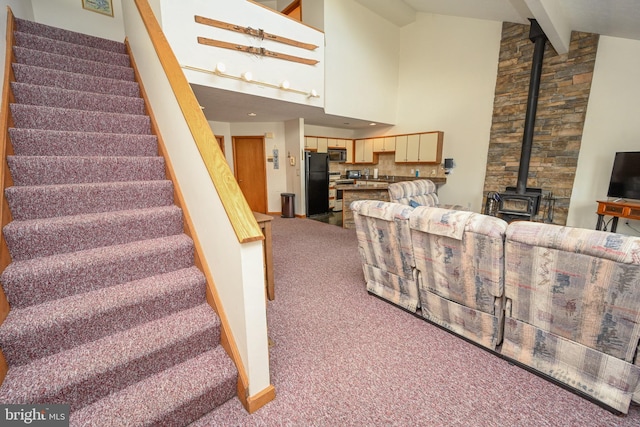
(361, 190)
(370, 190)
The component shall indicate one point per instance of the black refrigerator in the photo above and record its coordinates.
(316, 166)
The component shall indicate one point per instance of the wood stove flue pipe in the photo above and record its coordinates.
(537, 36)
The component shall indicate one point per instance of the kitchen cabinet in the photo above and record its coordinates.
(419, 148)
(430, 148)
(322, 145)
(363, 151)
(332, 196)
(337, 143)
(349, 147)
(384, 145)
(310, 143)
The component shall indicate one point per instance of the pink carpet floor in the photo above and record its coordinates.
(345, 358)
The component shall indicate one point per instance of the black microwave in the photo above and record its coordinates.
(337, 155)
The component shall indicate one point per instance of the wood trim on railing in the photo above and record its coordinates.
(5, 176)
(235, 205)
(283, 15)
(226, 338)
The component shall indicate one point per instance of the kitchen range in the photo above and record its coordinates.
(335, 195)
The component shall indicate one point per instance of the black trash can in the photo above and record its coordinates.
(288, 207)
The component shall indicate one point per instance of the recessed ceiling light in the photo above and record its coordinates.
(252, 114)
(372, 124)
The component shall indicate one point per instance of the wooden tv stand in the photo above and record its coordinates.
(620, 209)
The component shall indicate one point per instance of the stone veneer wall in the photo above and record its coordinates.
(562, 104)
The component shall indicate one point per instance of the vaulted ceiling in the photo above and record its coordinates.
(616, 18)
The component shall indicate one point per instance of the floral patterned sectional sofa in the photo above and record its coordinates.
(562, 301)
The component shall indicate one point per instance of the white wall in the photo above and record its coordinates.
(276, 178)
(361, 62)
(448, 69)
(182, 33)
(294, 134)
(330, 132)
(612, 124)
(313, 13)
(236, 268)
(70, 14)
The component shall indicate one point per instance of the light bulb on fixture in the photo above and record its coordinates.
(247, 76)
(220, 68)
(285, 84)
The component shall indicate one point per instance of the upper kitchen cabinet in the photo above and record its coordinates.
(419, 148)
(384, 145)
(322, 145)
(310, 143)
(363, 151)
(430, 147)
(337, 143)
(349, 147)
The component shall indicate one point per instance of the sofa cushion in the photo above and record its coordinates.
(459, 256)
(441, 222)
(421, 191)
(579, 284)
(384, 243)
(467, 269)
(396, 289)
(603, 377)
(475, 325)
(573, 308)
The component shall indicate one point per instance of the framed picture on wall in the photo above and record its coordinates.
(104, 7)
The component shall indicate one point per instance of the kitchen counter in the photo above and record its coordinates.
(360, 191)
(363, 186)
(371, 189)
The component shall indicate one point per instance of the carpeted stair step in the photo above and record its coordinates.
(74, 81)
(37, 117)
(58, 47)
(50, 236)
(53, 170)
(46, 329)
(72, 65)
(42, 142)
(48, 201)
(55, 33)
(47, 96)
(172, 398)
(39, 280)
(84, 374)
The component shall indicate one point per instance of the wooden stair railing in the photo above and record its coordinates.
(7, 149)
(238, 212)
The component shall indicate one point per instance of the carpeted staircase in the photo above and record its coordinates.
(108, 310)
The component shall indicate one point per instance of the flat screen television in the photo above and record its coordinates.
(625, 176)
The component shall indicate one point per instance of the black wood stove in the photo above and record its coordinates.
(521, 202)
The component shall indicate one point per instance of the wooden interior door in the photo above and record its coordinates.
(220, 140)
(250, 170)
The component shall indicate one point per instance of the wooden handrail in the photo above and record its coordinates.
(213, 298)
(235, 205)
(227, 340)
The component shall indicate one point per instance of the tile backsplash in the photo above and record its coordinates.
(387, 166)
